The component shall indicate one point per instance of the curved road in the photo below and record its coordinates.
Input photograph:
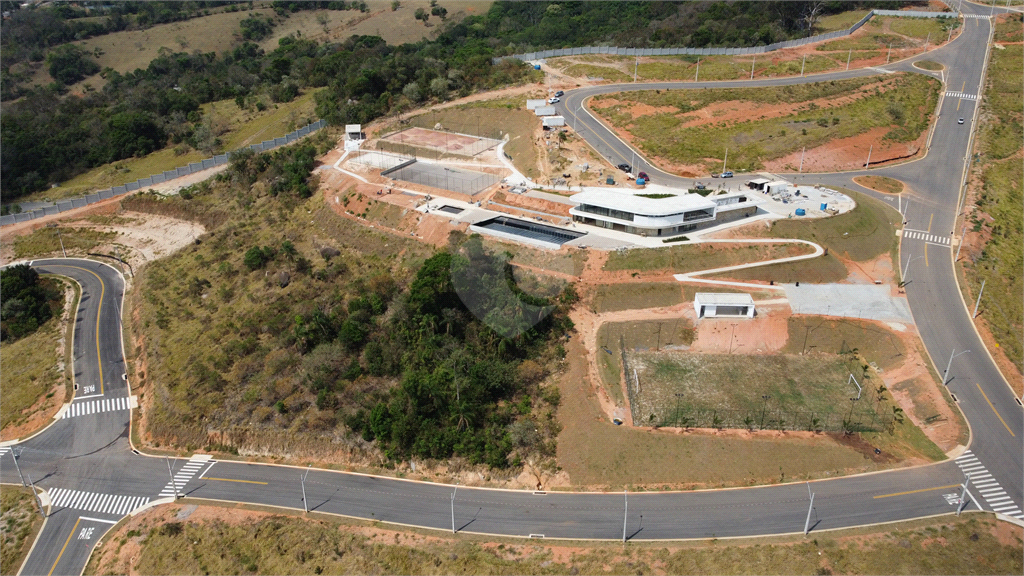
(92, 477)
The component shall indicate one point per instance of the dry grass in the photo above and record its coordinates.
(47, 241)
(880, 183)
(613, 336)
(613, 297)
(694, 257)
(19, 523)
(32, 370)
(267, 542)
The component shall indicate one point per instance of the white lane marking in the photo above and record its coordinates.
(98, 520)
(97, 406)
(95, 501)
(185, 474)
(84, 397)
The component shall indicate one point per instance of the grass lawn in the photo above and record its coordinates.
(612, 297)
(929, 65)
(19, 523)
(932, 30)
(1001, 175)
(841, 21)
(694, 257)
(1009, 28)
(880, 183)
(31, 373)
(240, 128)
(818, 113)
(820, 270)
(271, 542)
(597, 71)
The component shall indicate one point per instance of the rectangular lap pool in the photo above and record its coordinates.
(516, 229)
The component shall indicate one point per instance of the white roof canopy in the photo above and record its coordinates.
(724, 298)
(626, 202)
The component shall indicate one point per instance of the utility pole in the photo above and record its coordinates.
(870, 148)
(453, 507)
(807, 523)
(978, 303)
(697, 75)
(802, 64)
(961, 245)
(305, 505)
(625, 514)
(848, 55)
(35, 497)
(802, 160)
(888, 54)
(752, 62)
(906, 268)
(927, 40)
(963, 494)
(726, 161)
(174, 486)
(636, 66)
(950, 37)
(15, 456)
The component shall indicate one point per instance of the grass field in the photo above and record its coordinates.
(727, 391)
(809, 335)
(820, 270)
(657, 334)
(1009, 28)
(929, 65)
(597, 71)
(694, 257)
(999, 202)
(840, 21)
(269, 542)
(19, 523)
(237, 127)
(77, 241)
(816, 114)
(880, 183)
(32, 369)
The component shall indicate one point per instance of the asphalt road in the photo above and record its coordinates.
(93, 477)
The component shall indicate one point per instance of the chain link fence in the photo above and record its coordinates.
(611, 50)
(191, 168)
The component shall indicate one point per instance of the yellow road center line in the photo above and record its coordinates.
(99, 309)
(73, 528)
(230, 480)
(930, 218)
(994, 409)
(916, 491)
(958, 104)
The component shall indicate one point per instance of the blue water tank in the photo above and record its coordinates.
(536, 66)
(801, 212)
(824, 205)
(640, 181)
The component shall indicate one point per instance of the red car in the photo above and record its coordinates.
(644, 176)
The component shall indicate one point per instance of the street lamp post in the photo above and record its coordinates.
(14, 454)
(302, 479)
(453, 507)
(945, 374)
(764, 408)
(625, 513)
(906, 269)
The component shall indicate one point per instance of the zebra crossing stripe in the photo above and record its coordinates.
(184, 475)
(97, 406)
(95, 501)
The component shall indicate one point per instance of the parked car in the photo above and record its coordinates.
(727, 174)
(960, 121)
(554, 100)
(700, 186)
(559, 94)
(644, 176)
(625, 167)
(715, 175)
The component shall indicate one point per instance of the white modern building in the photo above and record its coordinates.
(552, 121)
(659, 211)
(714, 305)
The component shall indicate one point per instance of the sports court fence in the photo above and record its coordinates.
(191, 168)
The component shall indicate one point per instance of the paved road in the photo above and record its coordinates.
(93, 478)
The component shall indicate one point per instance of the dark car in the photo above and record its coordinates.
(700, 186)
(727, 174)
(559, 94)
(644, 176)
(625, 167)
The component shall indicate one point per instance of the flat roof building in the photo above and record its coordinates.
(658, 211)
(716, 304)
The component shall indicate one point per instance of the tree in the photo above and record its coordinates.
(439, 88)
(134, 133)
(412, 92)
(256, 257)
(439, 11)
(395, 4)
(422, 14)
(69, 64)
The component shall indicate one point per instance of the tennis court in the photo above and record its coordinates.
(450, 142)
(436, 176)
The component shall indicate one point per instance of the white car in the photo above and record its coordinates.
(554, 100)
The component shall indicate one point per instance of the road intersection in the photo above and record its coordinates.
(92, 476)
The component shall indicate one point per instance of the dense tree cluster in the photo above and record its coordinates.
(28, 301)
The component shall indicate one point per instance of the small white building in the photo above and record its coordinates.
(776, 187)
(353, 131)
(716, 305)
(534, 104)
(551, 121)
(545, 111)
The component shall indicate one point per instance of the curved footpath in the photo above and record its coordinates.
(92, 477)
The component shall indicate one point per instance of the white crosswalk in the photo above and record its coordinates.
(921, 235)
(975, 16)
(963, 95)
(97, 406)
(4, 450)
(987, 486)
(184, 475)
(95, 502)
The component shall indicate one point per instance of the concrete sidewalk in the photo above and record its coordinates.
(869, 302)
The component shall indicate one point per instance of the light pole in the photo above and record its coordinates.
(945, 374)
(625, 513)
(963, 494)
(575, 114)
(765, 397)
(980, 292)
(174, 486)
(453, 507)
(446, 170)
(807, 523)
(305, 505)
(732, 337)
(14, 454)
(906, 269)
